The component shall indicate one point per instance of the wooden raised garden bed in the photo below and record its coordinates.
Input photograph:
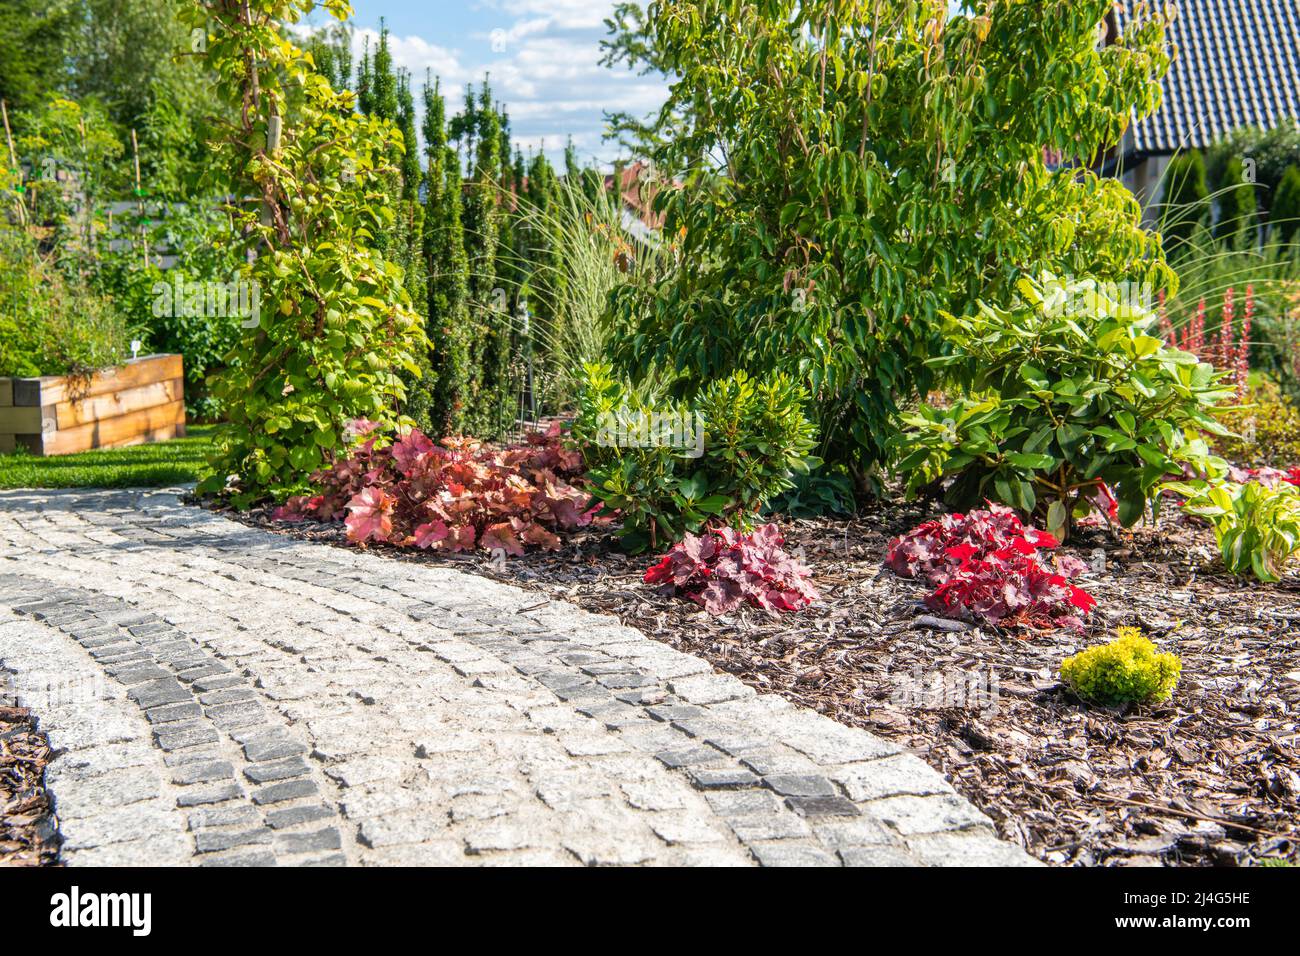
(142, 400)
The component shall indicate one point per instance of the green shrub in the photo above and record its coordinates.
(1272, 151)
(816, 495)
(337, 328)
(757, 438)
(1257, 526)
(1266, 429)
(850, 170)
(671, 467)
(191, 234)
(1065, 391)
(51, 324)
(1127, 670)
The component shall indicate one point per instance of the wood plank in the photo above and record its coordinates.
(27, 391)
(141, 371)
(127, 429)
(20, 420)
(122, 402)
(6, 392)
(7, 444)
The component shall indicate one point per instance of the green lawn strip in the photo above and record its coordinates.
(137, 466)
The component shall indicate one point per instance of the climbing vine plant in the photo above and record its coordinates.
(334, 327)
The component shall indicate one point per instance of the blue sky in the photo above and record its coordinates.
(542, 56)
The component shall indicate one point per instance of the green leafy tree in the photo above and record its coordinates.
(34, 45)
(336, 327)
(137, 57)
(64, 139)
(852, 169)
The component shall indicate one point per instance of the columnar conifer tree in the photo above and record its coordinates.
(447, 269)
(389, 98)
(490, 308)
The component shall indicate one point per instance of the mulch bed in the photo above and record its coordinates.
(27, 825)
(1211, 777)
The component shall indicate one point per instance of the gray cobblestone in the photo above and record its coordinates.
(792, 854)
(292, 816)
(288, 790)
(202, 772)
(449, 718)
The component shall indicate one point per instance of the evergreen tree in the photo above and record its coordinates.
(388, 96)
(489, 306)
(365, 81)
(520, 176)
(1236, 207)
(1285, 214)
(406, 123)
(464, 125)
(448, 274)
(383, 91)
(572, 172)
(1186, 202)
(331, 51)
(544, 245)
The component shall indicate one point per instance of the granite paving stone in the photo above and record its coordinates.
(231, 697)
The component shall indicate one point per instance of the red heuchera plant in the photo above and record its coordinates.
(723, 568)
(986, 566)
(451, 497)
(1269, 477)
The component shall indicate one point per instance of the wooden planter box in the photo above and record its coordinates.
(140, 401)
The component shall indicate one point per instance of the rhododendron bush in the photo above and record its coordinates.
(986, 566)
(450, 497)
(724, 568)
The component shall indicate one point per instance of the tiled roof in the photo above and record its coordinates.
(1238, 64)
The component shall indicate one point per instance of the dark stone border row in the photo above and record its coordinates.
(240, 780)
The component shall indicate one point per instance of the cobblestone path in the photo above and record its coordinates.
(221, 695)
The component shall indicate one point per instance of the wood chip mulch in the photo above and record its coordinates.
(1210, 778)
(27, 825)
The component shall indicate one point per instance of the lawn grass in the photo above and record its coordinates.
(138, 466)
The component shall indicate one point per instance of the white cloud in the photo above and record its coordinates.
(543, 60)
(564, 14)
(414, 53)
